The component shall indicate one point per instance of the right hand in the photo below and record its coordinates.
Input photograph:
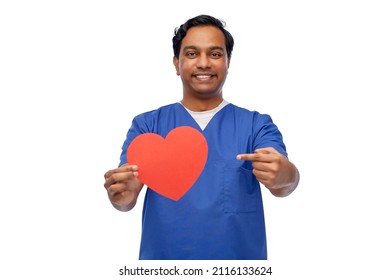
(123, 186)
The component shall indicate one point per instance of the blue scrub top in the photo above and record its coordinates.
(221, 216)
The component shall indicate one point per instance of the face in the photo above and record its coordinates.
(203, 63)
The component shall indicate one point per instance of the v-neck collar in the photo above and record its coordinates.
(195, 123)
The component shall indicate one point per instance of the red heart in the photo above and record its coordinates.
(172, 165)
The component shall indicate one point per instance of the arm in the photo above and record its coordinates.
(123, 186)
(273, 170)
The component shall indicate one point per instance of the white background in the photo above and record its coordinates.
(73, 74)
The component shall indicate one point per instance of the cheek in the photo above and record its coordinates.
(185, 69)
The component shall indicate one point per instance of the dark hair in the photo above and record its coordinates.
(202, 20)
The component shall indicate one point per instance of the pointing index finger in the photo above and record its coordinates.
(250, 157)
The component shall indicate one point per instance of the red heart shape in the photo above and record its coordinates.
(172, 165)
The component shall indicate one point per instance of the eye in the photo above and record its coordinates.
(191, 54)
(216, 54)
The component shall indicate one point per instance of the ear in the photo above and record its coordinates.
(176, 63)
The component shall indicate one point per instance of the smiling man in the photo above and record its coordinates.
(202, 64)
(221, 216)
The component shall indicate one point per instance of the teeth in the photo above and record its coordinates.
(203, 76)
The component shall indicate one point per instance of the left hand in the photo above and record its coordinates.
(273, 170)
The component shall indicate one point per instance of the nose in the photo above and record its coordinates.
(203, 61)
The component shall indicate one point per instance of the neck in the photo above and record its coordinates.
(200, 105)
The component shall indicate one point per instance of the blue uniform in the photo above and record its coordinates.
(221, 216)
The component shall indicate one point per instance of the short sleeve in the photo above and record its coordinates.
(267, 134)
(138, 126)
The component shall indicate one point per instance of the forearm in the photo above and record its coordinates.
(126, 200)
(124, 208)
(290, 184)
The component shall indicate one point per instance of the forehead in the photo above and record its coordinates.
(204, 37)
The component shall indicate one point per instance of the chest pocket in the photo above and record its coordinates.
(241, 191)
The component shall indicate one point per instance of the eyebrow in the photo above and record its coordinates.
(192, 47)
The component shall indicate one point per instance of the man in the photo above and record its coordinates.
(221, 216)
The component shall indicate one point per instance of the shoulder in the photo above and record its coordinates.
(264, 131)
(156, 112)
(150, 121)
(252, 115)
(159, 110)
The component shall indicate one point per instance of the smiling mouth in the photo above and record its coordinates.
(204, 76)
